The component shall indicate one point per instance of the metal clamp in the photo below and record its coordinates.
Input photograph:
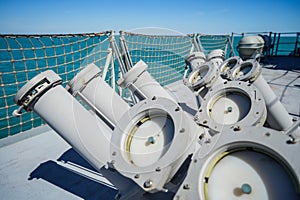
(27, 96)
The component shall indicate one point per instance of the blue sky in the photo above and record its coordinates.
(186, 16)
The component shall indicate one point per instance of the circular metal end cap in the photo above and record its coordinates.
(195, 55)
(195, 59)
(79, 82)
(36, 87)
(217, 53)
(204, 76)
(229, 64)
(246, 71)
(132, 75)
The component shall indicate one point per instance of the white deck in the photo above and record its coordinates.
(31, 166)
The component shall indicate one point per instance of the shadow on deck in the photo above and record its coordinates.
(70, 181)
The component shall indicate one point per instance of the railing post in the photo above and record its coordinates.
(107, 63)
(270, 44)
(273, 43)
(113, 76)
(231, 45)
(117, 54)
(199, 42)
(278, 41)
(125, 52)
(226, 45)
(195, 42)
(296, 43)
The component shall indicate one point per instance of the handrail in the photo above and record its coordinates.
(57, 35)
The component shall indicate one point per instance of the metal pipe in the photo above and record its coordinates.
(296, 43)
(88, 135)
(117, 54)
(139, 81)
(107, 63)
(196, 44)
(277, 45)
(125, 52)
(98, 93)
(278, 118)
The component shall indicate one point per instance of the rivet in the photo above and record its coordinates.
(237, 128)
(148, 184)
(267, 134)
(186, 186)
(137, 176)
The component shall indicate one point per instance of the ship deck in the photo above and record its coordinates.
(38, 164)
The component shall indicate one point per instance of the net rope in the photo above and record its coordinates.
(164, 55)
(211, 42)
(24, 56)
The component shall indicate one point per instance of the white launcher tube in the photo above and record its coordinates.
(277, 117)
(216, 57)
(89, 136)
(140, 82)
(98, 93)
(195, 59)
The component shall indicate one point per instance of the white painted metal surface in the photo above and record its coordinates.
(98, 93)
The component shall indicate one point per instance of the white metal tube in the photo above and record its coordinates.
(195, 59)
(105, 99)
(113, 77)
(278, 118)
(83, 131)
(216, 57)
(107, 63)
(89, 83)
(141, 83)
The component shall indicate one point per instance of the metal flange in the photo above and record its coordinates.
(79, 82)
(217, 53)
(151, 142)
(231, 105)
(133, 74)
(247, 71)
(195, 59)
(227, 65)
(204, 76)
(252, 163)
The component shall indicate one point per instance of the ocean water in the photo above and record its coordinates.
(22, 58)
